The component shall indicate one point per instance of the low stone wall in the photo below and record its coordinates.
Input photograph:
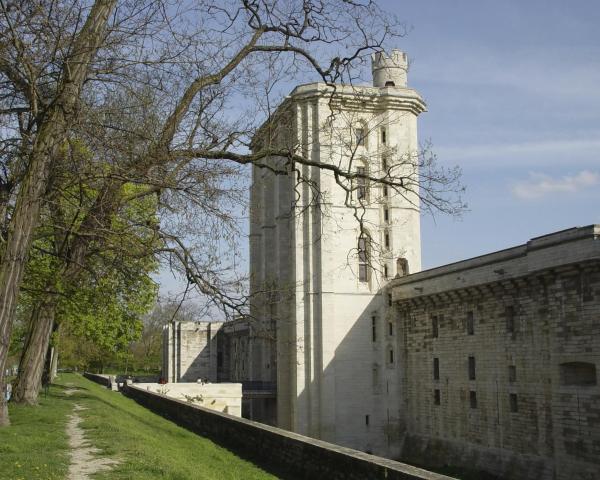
(221, 397)
(301, 456)
(104, 380)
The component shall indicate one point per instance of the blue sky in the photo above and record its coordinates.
(513, 93)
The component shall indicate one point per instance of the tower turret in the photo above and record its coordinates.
(389, 71)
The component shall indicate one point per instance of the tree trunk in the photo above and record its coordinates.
(43, 316)
(33, 359)
(54, 363)
(27, 208)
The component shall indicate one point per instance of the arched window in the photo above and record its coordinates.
(361, 134)
(361, 184)
(364, 246)
(402, 267)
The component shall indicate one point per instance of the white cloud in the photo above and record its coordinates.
(540, 185)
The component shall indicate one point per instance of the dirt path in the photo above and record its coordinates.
(84, 460)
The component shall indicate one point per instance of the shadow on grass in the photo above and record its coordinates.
(258, 460)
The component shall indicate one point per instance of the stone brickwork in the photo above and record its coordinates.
(190, 351)
(500, 357)
(291, 454)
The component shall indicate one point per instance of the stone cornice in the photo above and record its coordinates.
(347, 97)
(537, 279)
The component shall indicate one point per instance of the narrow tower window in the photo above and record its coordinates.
(386, 215)
(361, 183)
(383, 136)
(363, 258)
(437, 397)
(374, 328)
(434, 327)
(360, 136)
(436, 368)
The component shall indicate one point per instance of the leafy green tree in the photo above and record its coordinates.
(89, 270)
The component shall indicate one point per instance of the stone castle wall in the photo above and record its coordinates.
(500, 360)
(290, 454)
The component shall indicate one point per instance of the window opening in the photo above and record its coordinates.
(470, 324)
(361, 183)
(473, 399)
(363, 258)
(434, 327)
(581, 374)
(436, 368)
(360, 136)
(471, 368)
(512, 373)
(374, 328)
(437, 397)
(375, 376)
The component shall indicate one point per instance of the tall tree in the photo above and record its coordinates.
(53, 121)
(213, 69)
(102, 268)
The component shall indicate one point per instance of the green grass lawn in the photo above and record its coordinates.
(35, 445)
(147, 445)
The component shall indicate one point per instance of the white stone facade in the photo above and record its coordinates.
(316, 316)
(221, 397)
(190, 351)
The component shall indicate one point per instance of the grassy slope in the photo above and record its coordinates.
(35, 445)
(148, 446)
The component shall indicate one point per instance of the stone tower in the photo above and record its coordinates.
(323, 325)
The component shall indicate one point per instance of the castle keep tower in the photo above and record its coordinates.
(322, 251)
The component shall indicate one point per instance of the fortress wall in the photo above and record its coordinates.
(300, 456)
(529, 318)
